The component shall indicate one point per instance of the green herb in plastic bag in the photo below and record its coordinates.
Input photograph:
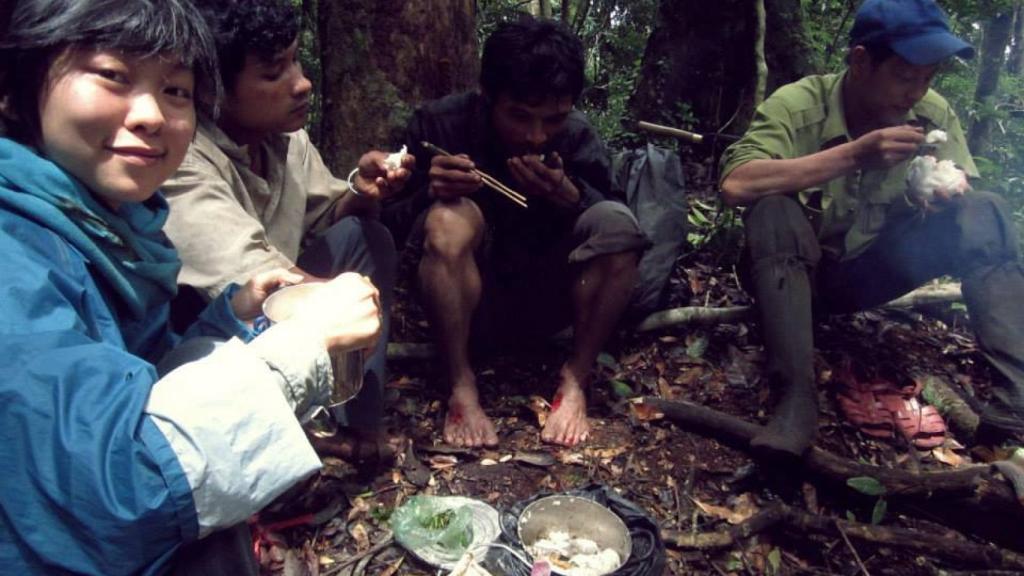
(430, 522)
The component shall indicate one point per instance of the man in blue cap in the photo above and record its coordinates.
(822, 170)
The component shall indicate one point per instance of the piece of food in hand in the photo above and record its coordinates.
(394, 160)
(936, 137)
(926, 175)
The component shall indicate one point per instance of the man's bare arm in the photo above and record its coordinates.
(756, 179)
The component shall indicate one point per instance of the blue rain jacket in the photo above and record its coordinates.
(88, 483)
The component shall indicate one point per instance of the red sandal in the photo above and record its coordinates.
(859, 403)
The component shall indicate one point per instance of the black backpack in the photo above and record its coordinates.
(655, 190)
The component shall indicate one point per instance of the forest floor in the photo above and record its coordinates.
(685, 481)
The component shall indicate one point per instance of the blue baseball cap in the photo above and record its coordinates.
(917, 30)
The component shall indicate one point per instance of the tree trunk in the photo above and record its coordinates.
(540, 8)
(383, 58)
(993, 55)
(545, 8)
(760, 65)
(699, 67)
(1015, 59)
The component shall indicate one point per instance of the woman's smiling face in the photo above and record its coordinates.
(120, 124)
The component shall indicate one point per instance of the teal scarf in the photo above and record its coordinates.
(127, 247)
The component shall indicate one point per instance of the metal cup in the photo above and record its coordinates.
(346, 366)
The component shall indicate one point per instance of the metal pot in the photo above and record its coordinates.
(347, 366)
(579, 518)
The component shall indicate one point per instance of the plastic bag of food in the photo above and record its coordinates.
(431, 522)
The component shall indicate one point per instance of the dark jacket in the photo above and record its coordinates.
(460, 125)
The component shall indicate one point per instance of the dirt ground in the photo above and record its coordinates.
(684, 481)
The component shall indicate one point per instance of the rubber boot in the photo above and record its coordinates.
(992, 297)
(783, 293)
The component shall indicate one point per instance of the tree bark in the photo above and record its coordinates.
(700, 59)
(760, 65)
(383, 58)
(1015, 59)
(993, 55)
(545, 8)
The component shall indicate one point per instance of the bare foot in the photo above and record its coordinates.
(466, 423)
(567, 424)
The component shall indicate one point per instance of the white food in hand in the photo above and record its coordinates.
(926, 175)
(936, 137)
(394, 160)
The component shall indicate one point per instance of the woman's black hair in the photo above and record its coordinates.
(41, 30)
(530, 59)
(261, 27)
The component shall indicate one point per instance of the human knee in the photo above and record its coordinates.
(452, 228)
(987, 233)
(608, 228)
(776, 227)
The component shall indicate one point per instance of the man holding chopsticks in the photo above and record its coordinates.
(515, 224)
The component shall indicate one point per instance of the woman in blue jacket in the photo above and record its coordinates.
(110, 468)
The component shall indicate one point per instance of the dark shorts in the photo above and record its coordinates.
(527, 292)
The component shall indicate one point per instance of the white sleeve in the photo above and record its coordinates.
(230, 421)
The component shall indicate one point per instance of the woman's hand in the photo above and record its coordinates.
(247, 303)
(345, 311)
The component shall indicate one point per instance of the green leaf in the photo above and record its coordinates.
(698, 219)
(621, 389)
(381, 514)
(851, 516)
(608, 361)
(734, 564)
(774, 561)
(866, 485)
(878, 514)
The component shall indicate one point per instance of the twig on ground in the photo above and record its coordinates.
(853, 550)
(370, 552)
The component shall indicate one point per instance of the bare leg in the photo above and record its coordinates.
(450, 284)
(600, 295)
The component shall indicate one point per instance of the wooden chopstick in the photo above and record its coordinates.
(485, 177)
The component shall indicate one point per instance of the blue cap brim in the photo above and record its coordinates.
(928, 49)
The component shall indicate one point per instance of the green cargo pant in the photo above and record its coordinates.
(972, 239)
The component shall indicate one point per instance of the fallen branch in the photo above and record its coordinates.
(928, 295)
(700, 316)
(693, 316)
(940, 546)
(977, 497)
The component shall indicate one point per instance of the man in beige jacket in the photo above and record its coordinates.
(254, 194)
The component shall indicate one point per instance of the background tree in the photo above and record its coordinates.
(699, 67)
(1015, 58)
(997, 31)
(380, 59)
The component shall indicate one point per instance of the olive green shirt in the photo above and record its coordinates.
(848, 212)
(228, 223)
